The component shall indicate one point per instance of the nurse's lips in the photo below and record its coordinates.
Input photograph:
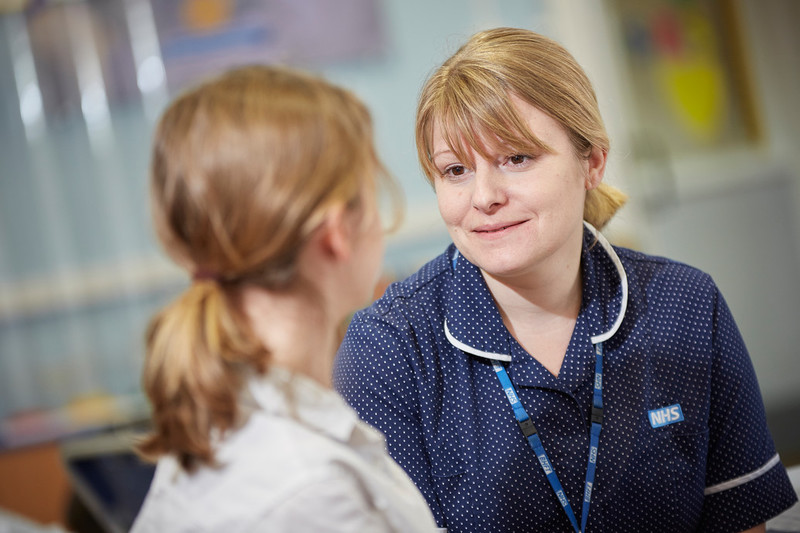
(497, 228)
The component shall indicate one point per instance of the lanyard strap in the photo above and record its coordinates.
(529, 430)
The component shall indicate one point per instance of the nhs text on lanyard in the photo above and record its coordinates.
(529, 430)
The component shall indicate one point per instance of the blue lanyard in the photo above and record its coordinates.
(529, 430)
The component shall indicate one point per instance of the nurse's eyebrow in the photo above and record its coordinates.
(440, 152)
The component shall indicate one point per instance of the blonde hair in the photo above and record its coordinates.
(244, 169)
(470, 97)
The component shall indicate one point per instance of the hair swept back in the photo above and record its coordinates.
(244, 169)
(470, 97)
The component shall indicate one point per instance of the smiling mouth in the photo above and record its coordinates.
(497, 229)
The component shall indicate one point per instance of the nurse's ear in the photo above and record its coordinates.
(595, 167)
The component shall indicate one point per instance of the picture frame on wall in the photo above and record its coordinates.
(689, 75)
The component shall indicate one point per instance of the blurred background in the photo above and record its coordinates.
(699, 97)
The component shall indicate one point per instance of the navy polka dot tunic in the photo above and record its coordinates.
(417, 365)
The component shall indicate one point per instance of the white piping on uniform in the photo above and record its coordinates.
(623, 278)
(602, 337)
(469, 349)
(741, 480)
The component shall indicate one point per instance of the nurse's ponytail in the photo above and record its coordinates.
(601, 203)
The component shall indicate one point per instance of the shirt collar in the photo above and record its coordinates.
(286, 394)
(472, 320)
(473, 323)
(612, 282)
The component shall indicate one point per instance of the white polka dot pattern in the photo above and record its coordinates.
(448, 423)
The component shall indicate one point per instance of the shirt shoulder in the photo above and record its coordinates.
(421, 292)
(338, 499)
(428, 279)
(659, 274)
(389, 345)
(267, 469)
(345, 499)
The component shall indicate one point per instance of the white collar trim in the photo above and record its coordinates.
(469, 349)
(623, 279)
(596, 339)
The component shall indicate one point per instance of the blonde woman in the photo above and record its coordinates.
(533, 377)
(263, 188)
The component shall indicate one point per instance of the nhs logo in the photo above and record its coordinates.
(587, 492)
(562, 498)
(545, 464)
(665, 416)
(511, 396)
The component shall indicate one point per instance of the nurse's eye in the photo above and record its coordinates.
(454, 171)
(518, 160)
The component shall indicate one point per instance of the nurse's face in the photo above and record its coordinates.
(517, 214)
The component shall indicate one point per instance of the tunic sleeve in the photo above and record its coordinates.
(376, 372)
(746, 484)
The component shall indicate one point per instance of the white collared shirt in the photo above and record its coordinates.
(303, 461)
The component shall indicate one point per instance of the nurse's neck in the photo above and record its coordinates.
(540, 310)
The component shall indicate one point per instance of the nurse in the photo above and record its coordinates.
(263, 187)
(534, 377)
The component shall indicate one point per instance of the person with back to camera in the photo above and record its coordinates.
(533, 377)
(264, 186)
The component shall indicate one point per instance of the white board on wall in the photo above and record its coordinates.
(746, 238)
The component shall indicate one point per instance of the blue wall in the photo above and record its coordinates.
(77, 253)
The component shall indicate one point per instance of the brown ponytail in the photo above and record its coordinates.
(199, 348)
(244, 169)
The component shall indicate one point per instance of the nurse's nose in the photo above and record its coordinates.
(489, 192)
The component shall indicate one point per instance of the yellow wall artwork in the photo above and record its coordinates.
(688, 74)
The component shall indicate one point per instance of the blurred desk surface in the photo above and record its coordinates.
(85, 415)
(34, 484)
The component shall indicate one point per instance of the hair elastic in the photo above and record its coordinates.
(205, 275)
